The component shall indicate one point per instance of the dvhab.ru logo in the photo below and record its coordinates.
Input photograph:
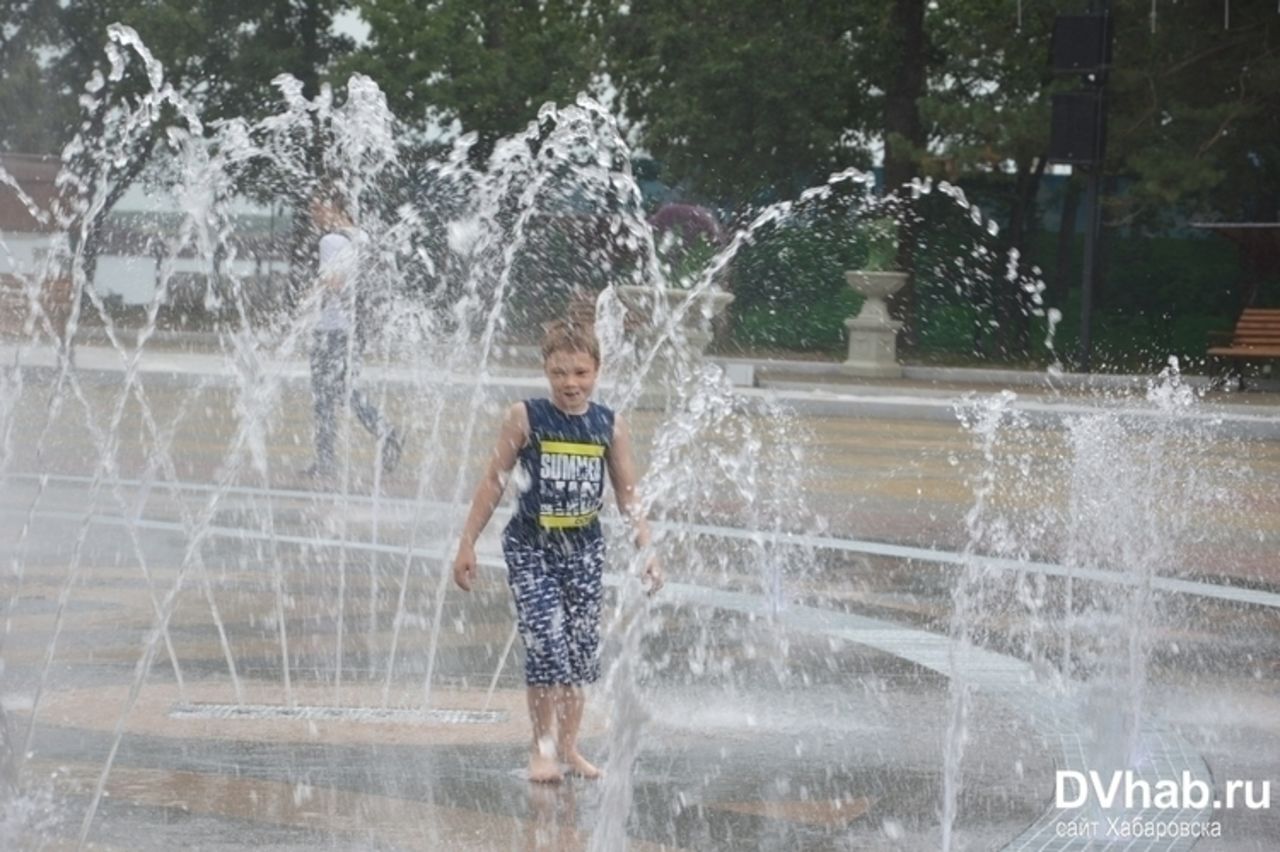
(1124, 788)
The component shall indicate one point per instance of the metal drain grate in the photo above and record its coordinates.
(366, 715)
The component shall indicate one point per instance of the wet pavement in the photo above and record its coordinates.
(318, 683)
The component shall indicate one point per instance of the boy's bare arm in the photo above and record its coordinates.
(513, 435)
(622, 475)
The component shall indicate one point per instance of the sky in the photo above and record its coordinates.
(350, 23)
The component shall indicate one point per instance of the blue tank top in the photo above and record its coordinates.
(564, 467)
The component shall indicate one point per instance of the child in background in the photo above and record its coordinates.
(334, 345)
(553, 544)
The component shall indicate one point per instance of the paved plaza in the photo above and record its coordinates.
(204, 649)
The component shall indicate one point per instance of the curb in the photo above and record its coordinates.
(1249, 422)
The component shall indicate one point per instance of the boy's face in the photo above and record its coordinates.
(572, 376)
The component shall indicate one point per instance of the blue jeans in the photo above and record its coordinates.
(330, 388)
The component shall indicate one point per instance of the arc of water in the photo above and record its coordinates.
(486, 350)
(630, 715)
(670, 323)
(106, 468)
(490, 237)
(92, 202)
(570, 123)
(345, 490)
(502, 663)
(365, 147)
(397, 620)
(225, 477)
(193, 556)
(107, 448)
(202, 528)
(278, 588)
(162, 458)
(966, 603)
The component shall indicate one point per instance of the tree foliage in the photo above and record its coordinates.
(488, 65)
(33, 121)
(1195, 110)
(740, 101)
(222, 55)
(736, 97)
(987, 104)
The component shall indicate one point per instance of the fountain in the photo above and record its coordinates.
(201, 647)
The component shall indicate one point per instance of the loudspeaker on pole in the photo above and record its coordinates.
(1081, 44)
(1077, 128)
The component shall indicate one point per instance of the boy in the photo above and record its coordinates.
(333, 345)
(553, 545)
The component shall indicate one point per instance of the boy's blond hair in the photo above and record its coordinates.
(566, 336)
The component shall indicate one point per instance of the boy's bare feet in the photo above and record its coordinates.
(543, 768)
(580, 766)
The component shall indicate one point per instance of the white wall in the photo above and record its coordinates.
(132, 278)
(20, 253)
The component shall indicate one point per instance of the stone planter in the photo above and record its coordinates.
(644, 304)
(873, 336)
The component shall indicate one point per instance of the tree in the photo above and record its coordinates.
(987, 109)
(906, 74)
(220, 56)
(1195, 110)
(33, 121)
(488, 65)
(748, 98)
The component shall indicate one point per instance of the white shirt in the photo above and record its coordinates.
(339, 259)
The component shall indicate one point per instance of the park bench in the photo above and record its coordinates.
(1256, 337)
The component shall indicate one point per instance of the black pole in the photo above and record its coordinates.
(1089, 272)
(1078, 136)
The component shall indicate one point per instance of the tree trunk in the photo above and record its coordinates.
(903, 137)
(93, 233)
(1015, 319)
(84, 238)
(1060, 281)
(903, 130)
(309, 32)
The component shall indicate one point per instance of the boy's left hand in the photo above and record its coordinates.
(653, 576)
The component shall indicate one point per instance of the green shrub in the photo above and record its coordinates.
(1158, 296)
(789, 286)
(948, 328)
(815, 326)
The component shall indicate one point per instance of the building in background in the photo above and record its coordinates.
(139, 234)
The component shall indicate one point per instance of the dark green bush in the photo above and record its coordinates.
(789, 286)
(1158, 296)
(948, 328)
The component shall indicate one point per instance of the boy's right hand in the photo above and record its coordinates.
(464, 566)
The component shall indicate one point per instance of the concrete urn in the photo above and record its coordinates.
(873, 335)
(697, 309)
